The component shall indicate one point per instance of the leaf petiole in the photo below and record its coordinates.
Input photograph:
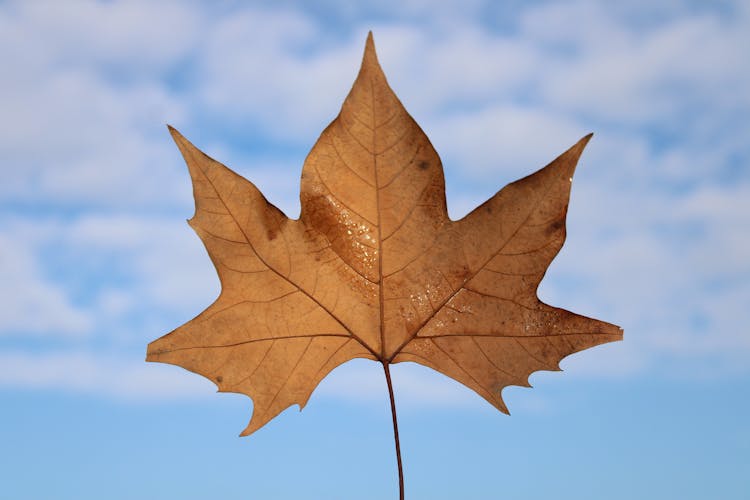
(395, 430)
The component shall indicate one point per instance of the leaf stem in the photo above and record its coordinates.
(395, 430)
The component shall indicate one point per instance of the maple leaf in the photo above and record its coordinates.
(374, 268)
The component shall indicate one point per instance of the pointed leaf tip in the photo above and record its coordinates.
(582, 142)
(176, 135)
(574, 153)
(578, 148)
(370, 56)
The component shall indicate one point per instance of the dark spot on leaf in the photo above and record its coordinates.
(555, 226)
(271, 233)
(461, 274)
(220, 379)
(423, 165)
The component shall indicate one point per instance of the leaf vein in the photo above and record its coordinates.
(267, 301)
(474, 340)
(403, 168)
(291, 372)
(346, 164)
(411, 212)
(338, 200)
(252, 341)
(459, 366)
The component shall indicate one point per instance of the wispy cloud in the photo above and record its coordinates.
(32, 304)
(98, 374)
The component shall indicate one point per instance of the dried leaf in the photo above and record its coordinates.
(374, 268)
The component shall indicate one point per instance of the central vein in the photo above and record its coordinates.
(381, 301)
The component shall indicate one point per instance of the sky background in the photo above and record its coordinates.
(96, 259)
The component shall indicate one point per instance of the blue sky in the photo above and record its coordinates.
(96, 259)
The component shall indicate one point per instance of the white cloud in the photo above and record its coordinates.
(33, 305)
(640, 75)
(113, 277)
(256, 67)
(513, 140)
(100, 374)
(76, 140)
(165, 259)
(435, 72)
(73, 132)
(671, 269)
(133, 34)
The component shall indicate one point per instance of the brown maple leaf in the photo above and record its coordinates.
(374, 268)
